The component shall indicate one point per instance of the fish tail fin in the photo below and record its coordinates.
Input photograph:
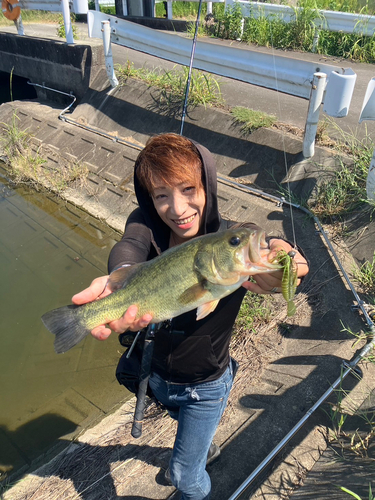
(67, 326)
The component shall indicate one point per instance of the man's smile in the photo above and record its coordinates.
(182, 222)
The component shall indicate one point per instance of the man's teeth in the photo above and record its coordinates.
(181, 222)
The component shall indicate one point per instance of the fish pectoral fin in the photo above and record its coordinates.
(207, 308)
(192, 294)
(118, 277)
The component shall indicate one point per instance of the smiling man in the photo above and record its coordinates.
(192, 372)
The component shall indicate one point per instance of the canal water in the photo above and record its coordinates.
(49, 250)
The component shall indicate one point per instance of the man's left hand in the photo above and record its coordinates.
(271, 282)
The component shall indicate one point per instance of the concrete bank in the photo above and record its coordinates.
(285, 366)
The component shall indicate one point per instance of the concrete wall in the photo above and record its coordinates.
(68, 68)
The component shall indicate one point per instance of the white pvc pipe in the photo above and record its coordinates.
(67, 22)
(106, 30)
(316, 99)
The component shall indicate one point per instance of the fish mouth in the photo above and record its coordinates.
(258, 252)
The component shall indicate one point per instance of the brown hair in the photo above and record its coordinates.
(171, 159)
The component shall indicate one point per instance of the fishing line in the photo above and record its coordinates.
(187, 89)
(283, 142)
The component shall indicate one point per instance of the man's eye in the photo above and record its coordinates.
(189, 188)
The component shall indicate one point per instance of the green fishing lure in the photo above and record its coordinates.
(289, 280)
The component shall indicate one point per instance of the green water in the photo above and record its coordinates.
(49, 250)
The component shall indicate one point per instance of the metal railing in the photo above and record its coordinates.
(291, 76)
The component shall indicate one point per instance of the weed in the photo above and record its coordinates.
(365, 276)
(14, 141)
(254, 309)
(204, 88)
(29, 167)
(251, 120)
(61, 27)
(345, 189)
(33, 16)
(354, 495)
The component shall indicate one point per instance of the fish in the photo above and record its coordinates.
(193, 275)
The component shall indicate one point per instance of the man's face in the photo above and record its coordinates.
(181, 207)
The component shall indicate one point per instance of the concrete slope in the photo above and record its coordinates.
(285, 367)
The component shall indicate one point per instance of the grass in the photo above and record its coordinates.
(354, 495)
(344, 191)
(26, 166)
(365, 277)
(254, 309)
(250, 120)
(298, 34)
(204, 88)
(33, 16)
(60, 31)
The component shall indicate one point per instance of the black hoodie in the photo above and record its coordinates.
(186, 351)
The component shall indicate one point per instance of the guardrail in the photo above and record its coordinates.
(292, 76)
(63, 6)
(76, 6)
(325, 19)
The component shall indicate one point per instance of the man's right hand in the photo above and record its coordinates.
(98, 290)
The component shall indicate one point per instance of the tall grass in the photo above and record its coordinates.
(204, 88)
(345, 190)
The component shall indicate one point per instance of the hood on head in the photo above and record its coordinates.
(211, 221)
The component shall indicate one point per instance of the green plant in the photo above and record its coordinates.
(250, 119)
(204, 88)
(254, 309)
(14, 141)
(228, 23)
(354, 495)
(61, 27)
(27, 166)
(344, 191)
(365, 276)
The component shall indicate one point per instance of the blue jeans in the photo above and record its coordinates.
(198, 409)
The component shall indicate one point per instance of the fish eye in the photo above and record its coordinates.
(235, 241)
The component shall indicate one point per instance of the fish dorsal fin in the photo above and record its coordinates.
(207, 308)
(118, 277)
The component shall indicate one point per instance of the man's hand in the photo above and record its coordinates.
(97, 290)
(271, 282)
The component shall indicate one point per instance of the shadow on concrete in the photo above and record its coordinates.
(91, 468)
(272, 417)
(133, 110)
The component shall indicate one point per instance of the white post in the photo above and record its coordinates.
(124, 8)
(97, 6)
(67, 21)
(19, 25)
(106, 30)
(370, 183)
(169, 9)
(209, 7)
(316, 99)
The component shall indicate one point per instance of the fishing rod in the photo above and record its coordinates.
(187, 89)
(148, 349)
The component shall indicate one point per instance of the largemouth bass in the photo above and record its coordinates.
(196, 274)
